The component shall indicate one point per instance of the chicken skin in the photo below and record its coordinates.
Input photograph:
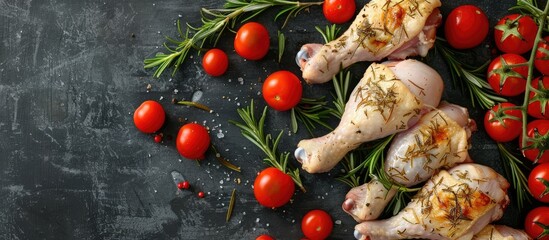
(381, 104)
(393, 29)
(438, 140)
(453, 204)
(501, 232)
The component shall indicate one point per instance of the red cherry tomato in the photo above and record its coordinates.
(282, 90)
(503, 124)
(193, 141)
(538, 143)
(339, 11)
(215, 62)
(542, 56)
(252, 41)
(506, 80)
(515, 33)
(536, 224)
(539, 99)
(538, 182)
(149, 116)
(466, 26)
(317, 225)
(273, 188)
(264, 237)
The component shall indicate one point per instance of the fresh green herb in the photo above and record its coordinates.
(311, 112)
(341, 92)
(281, 45)
(224, 161)
(374, 160)
(329, 33)
(469, 78)
(231, 206)
(253, 130)
(514, 169)
(214, 22)
(192, 104)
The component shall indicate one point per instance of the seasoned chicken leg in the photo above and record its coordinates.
(453, 204)
(500, 232)
(438, 140)
(381, 104)
(383, 28)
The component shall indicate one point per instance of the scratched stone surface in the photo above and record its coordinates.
(73, 166)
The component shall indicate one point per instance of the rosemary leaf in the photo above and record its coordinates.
(224, 161)
(192, 104)
(231, 206)
(514, 169)
(281, 45)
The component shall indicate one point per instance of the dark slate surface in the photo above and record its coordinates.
(72, 164)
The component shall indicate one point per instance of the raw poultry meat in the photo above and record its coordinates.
(384, 102)
(438, 140)
(500, 232)
(393, 29)
(453, 204)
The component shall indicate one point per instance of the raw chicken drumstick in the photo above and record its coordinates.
(388, 99)
(501, 232)
(438, 140)
(453, 204)
(391, 29)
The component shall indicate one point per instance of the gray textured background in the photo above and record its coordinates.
(73, 166)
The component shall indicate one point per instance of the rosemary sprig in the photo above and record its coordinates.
(329, 33)
(214, 22)
(341, 92)
(311, 112)
(253, 130)
(470, 79)
(514, 170)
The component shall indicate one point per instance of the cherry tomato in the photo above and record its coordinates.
(539, 106)
(538, 182)
(282, 90)
(215, 62)
(506, 80)
(273, 188)
(193, 141)
(339, 11)
(542, 56)
(149, 116)
(515, 33)
(503, 124)
(466, 26)
(536, 223)
(264, 237)
(537, 143)
(317, 225)
(252, 41)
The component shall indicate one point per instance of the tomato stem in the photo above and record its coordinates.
(524, 108)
